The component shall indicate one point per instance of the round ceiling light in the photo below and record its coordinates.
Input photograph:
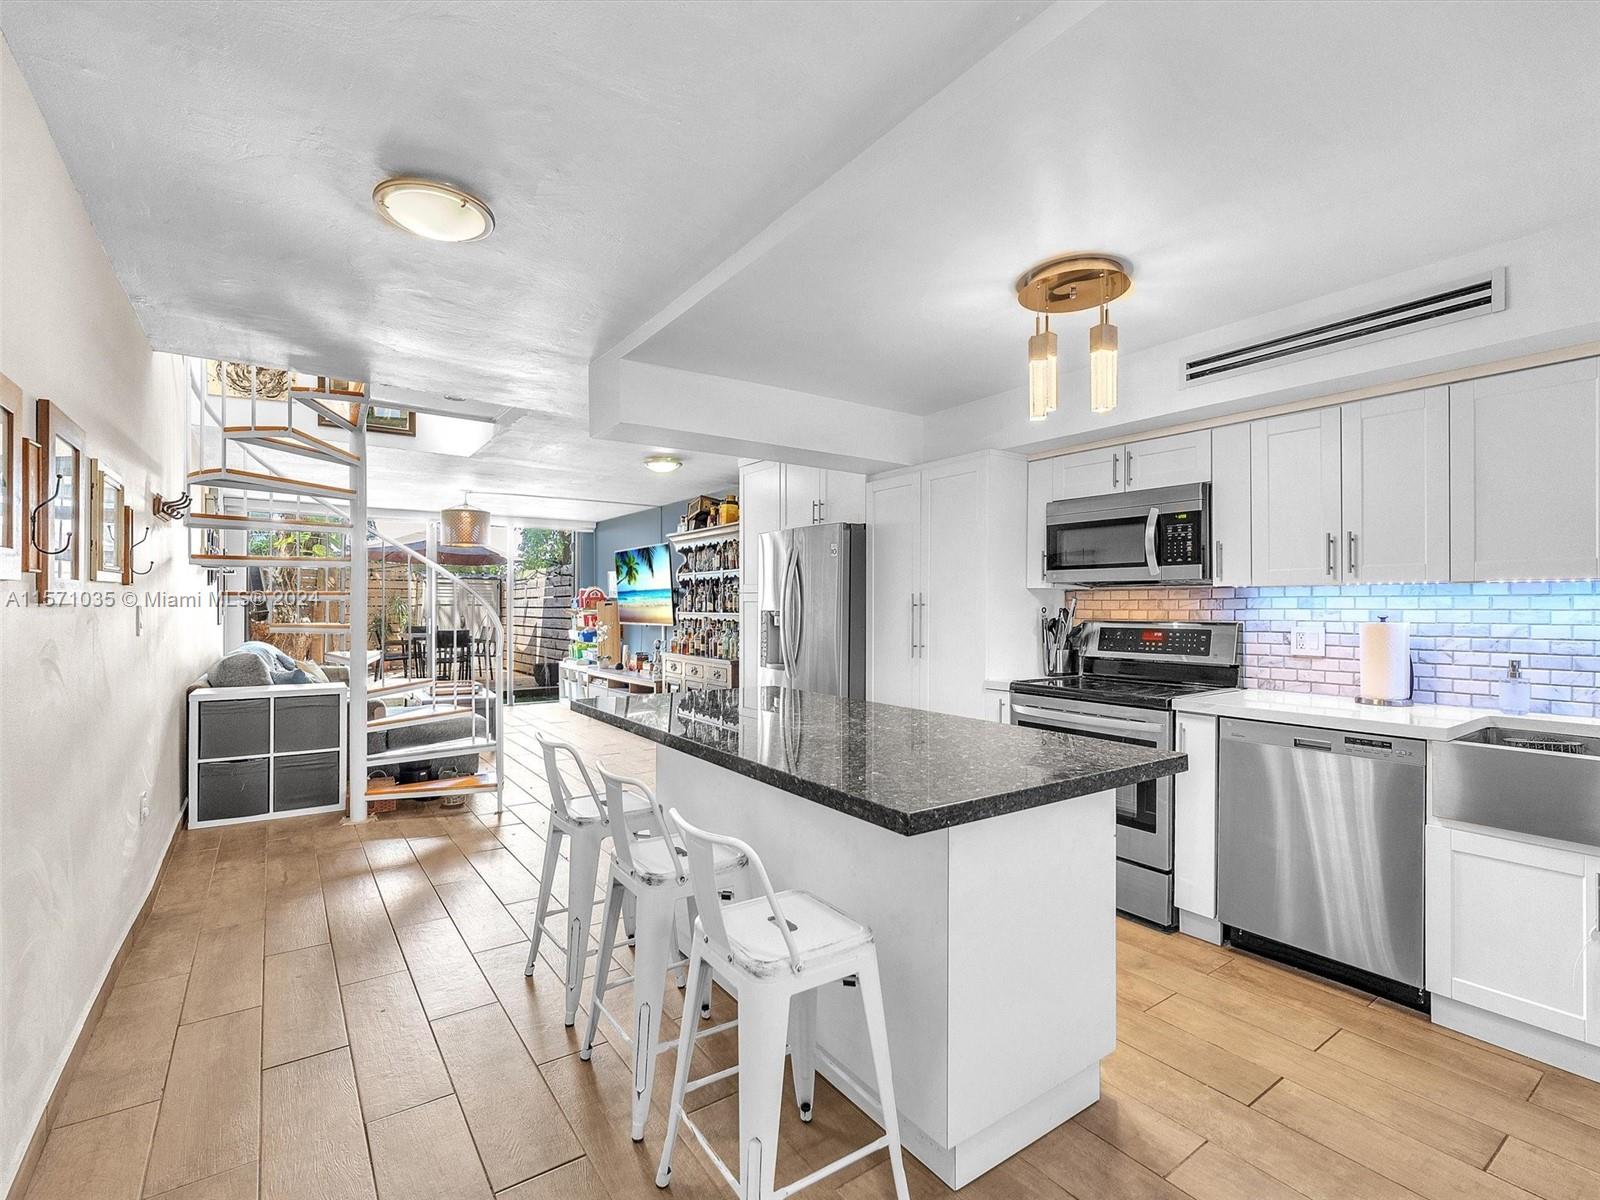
(433, 210)
(663, 464)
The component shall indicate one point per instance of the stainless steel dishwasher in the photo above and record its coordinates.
(1320, 851)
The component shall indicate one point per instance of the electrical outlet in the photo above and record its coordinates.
(1307, 640)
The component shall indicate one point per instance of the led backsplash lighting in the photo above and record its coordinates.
(1462, 635)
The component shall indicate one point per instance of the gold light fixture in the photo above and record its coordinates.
(1071, 284)
(463, 525)
(433, 210)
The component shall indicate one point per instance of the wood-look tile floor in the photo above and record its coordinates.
(318, 1011)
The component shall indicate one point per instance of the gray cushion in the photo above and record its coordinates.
(242, 668)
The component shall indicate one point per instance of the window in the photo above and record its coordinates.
(65, 463)
(107, 548)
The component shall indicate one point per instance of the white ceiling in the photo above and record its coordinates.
(1241, 157)
(226, 153)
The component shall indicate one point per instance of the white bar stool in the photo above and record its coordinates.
(582, 820)
(654, 873)
(775, 950)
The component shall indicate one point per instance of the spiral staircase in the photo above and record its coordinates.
(278, 517)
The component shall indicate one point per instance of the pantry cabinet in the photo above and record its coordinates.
(1511, 929)
(1525, 474)
(945, 611)
(1194, 818)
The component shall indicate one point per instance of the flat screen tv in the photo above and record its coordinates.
(644, 586)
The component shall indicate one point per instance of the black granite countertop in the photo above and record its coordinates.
(907, 770)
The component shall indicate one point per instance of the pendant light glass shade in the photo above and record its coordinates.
(1103, 366)
(1043, 372)
(464, 525)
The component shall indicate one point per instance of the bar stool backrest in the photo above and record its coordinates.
(617, 789)
(560, 793)
(703, 878)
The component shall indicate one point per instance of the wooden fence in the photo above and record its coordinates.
(541, 624)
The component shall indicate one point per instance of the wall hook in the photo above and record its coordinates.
(135, 546)
(33, 523)
(171, 510)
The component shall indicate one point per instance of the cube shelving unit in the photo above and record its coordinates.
(260, 753)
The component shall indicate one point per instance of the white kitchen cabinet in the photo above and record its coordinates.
(997, 705)
(760, 511)
(1041, 474)
(1295, 515)
(1086, 473)
(1396, 487)
(1512, 929)
(1525, 474)
(894, 590)
(802, 493)
(1194, 818)
(814, 496)
(1230, 505)
(749, 638)
(945, 606)
(1167, 461)
(844, 496)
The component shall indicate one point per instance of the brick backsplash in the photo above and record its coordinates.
(1462, 635)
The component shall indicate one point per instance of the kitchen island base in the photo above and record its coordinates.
(996, 941)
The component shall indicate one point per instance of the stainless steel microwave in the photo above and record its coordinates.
(1160, 535)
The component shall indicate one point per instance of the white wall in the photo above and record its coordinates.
(90, 705)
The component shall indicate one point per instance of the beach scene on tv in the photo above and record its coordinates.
(644, 586)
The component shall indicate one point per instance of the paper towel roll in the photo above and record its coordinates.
(1385, 660)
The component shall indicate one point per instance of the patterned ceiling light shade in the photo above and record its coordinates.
(464, 525)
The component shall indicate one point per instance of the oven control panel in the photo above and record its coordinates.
(1154, 639)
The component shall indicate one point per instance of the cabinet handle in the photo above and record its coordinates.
(1216, 567)
(1116, 461)
(1044, 570)
(1127, 468)
(1352, 555)
(1333, 554)
(912, 624)
(822, 513)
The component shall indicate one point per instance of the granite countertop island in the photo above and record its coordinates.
(982, 856)
(906, 769)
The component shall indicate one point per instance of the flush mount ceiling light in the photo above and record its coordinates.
(433, 210)
(663, 464)
(1072, 284)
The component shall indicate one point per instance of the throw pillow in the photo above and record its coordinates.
(240, 669)
(314, 670)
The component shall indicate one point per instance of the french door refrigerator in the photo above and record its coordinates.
(813, 609)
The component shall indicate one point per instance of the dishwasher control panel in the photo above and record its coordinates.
(1372, 747)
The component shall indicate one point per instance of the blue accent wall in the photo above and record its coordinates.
(647, 527)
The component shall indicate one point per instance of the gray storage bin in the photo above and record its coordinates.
(233, 789)
(306, 781)
(307, 722)
(235, 728)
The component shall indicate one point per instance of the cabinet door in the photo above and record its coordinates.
(749, 639)
(1230, 505)
(1194, 818)
(1512, 927)
(1167, 461)
(802, 495)
(760, 511)
(1525, 474)
(844, 496)
(1295, 516)
(1396, 492)
(952, 634)
(1087, 473)
(894, 572)
(1041, 478)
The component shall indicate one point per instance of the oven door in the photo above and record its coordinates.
(1144, 810)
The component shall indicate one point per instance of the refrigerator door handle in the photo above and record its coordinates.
(788, 613)
(799, 613)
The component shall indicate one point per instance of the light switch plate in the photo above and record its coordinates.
(1307, 640)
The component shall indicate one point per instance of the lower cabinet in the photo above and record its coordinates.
(997, 705)
(1194, 818)
(1513, 928)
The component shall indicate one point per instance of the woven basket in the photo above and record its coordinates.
(378, 805)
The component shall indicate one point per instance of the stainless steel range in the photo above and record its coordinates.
(1130, 675)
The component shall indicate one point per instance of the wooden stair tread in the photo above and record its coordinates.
(483, 781)
(235, 477)
(307, 627)
(449, 748)
(291, 440)
(246, 521)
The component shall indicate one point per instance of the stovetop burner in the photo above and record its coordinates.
(1135, 693)
(1147, 665)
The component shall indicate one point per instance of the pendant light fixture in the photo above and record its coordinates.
(463, 525)
(1072, 284)
(1043, 371)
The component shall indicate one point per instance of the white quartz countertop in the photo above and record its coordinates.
(1432, 722)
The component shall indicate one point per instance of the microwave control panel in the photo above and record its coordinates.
(1178, 539)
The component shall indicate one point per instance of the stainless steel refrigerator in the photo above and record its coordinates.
(813, 614)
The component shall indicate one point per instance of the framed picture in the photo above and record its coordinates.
(108, 549)
(400, 421)
(11, 510)
(61, 527)
(127, 545)
(235, 380)
(32, 495)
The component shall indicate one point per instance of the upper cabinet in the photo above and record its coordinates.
(1086, 473)
(1525, 474)
(1167, 461)
(1295, 519)
(1230, 505)
(774, 496)
(1396, 487)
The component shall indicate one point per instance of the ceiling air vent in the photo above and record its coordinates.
(1470, 298)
